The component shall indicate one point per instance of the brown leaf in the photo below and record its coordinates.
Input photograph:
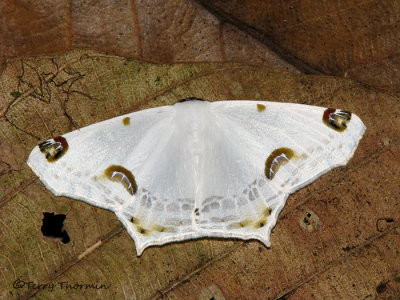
(345, 255)
(159, 31)
(358, 39)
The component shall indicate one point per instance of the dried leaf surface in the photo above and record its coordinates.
(151, 30)
(357, 38)
(350, 250)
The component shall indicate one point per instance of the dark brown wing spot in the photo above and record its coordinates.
(277, 158)
(141, 230)
(122, 175)
(126, 121)
(54, 149)
(260, 107)
(336, 119)
(267, 212)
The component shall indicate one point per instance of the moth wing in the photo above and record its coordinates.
(243, 192)
(219, 169)
(144, 144)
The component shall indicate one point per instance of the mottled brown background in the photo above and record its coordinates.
(226, 50)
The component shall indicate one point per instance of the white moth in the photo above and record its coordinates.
(198, 169)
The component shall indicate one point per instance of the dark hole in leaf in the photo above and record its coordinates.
(381, 287)
(53, 227)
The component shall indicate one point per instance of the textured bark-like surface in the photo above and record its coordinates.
(158, 31)
(28, 28)
(337, 238)
(357, 38)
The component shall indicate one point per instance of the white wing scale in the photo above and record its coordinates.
(201, 168)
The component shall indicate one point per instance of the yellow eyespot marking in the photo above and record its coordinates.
(260, 107)
(134, 220)
(241, 224)
(259, 222)
(277, 158)
(159, 228)
(122, 175)
(264, 218)
(244, 223)
(141, 230)
(126, 121)
(267, 212)
(149, 231)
